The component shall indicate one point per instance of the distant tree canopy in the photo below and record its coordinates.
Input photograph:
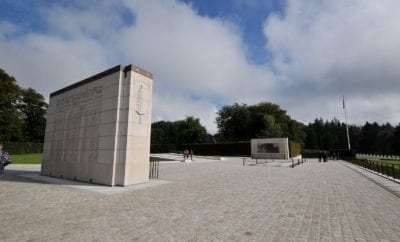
(326, 135)
(22, 112)
(239, 122)
(184, 131)
(368, 138)
(33, 110)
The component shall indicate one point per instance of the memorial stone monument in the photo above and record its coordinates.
(98, 129)
(272, 148)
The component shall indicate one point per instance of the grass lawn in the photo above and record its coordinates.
(378, 159)
(27, 159)
(396, 162)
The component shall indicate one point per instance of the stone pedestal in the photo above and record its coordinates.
(98, 130)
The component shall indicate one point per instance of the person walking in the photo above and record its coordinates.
(185, 154)
(5, 159)
(191, 154)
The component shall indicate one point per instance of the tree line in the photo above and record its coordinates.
(22, 112)
(23, 119)
(241, 122)
(238, 122)
(371, 138)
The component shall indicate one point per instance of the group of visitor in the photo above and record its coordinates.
(322, 157)
(188, 153)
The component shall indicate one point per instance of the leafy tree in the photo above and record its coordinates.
(368, 138)
(328, 135)
(163, 132)
(384, 142)
(396, 140)
(10, 122)
(312, 141)
(313, 134)
(22, 112)
(354, 133)
(233, 122)
(188, 130)
(272, 128)
(33, 109)
(191, 131)
(242, 122)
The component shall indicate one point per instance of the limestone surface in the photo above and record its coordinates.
(98, 129)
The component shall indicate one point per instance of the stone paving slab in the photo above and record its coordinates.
(386, 182)
(209, 201)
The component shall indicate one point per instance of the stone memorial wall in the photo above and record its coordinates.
(273, 148)
(98, 130)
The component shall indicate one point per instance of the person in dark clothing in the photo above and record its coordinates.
(325, 157)
(5, 159)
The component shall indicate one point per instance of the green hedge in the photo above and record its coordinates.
(163, 148)
(294, 148)
(308, 153)
(19, 148)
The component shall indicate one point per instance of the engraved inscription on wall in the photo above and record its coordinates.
(142, 101)
(76, 127)
(268, 148)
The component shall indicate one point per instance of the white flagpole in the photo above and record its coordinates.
(347, 127)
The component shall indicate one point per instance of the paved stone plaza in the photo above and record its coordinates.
(219, 200)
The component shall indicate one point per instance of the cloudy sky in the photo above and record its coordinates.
(301, 54)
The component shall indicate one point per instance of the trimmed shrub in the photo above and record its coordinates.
(307, 153)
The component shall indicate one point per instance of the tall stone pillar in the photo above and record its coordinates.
(98, 129)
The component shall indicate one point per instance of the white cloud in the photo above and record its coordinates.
(76, 42)
(7, 29)
(48, 63)
(200, 55)
(325, 49)
(321, 51)
(172, 106)
(191, 56)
